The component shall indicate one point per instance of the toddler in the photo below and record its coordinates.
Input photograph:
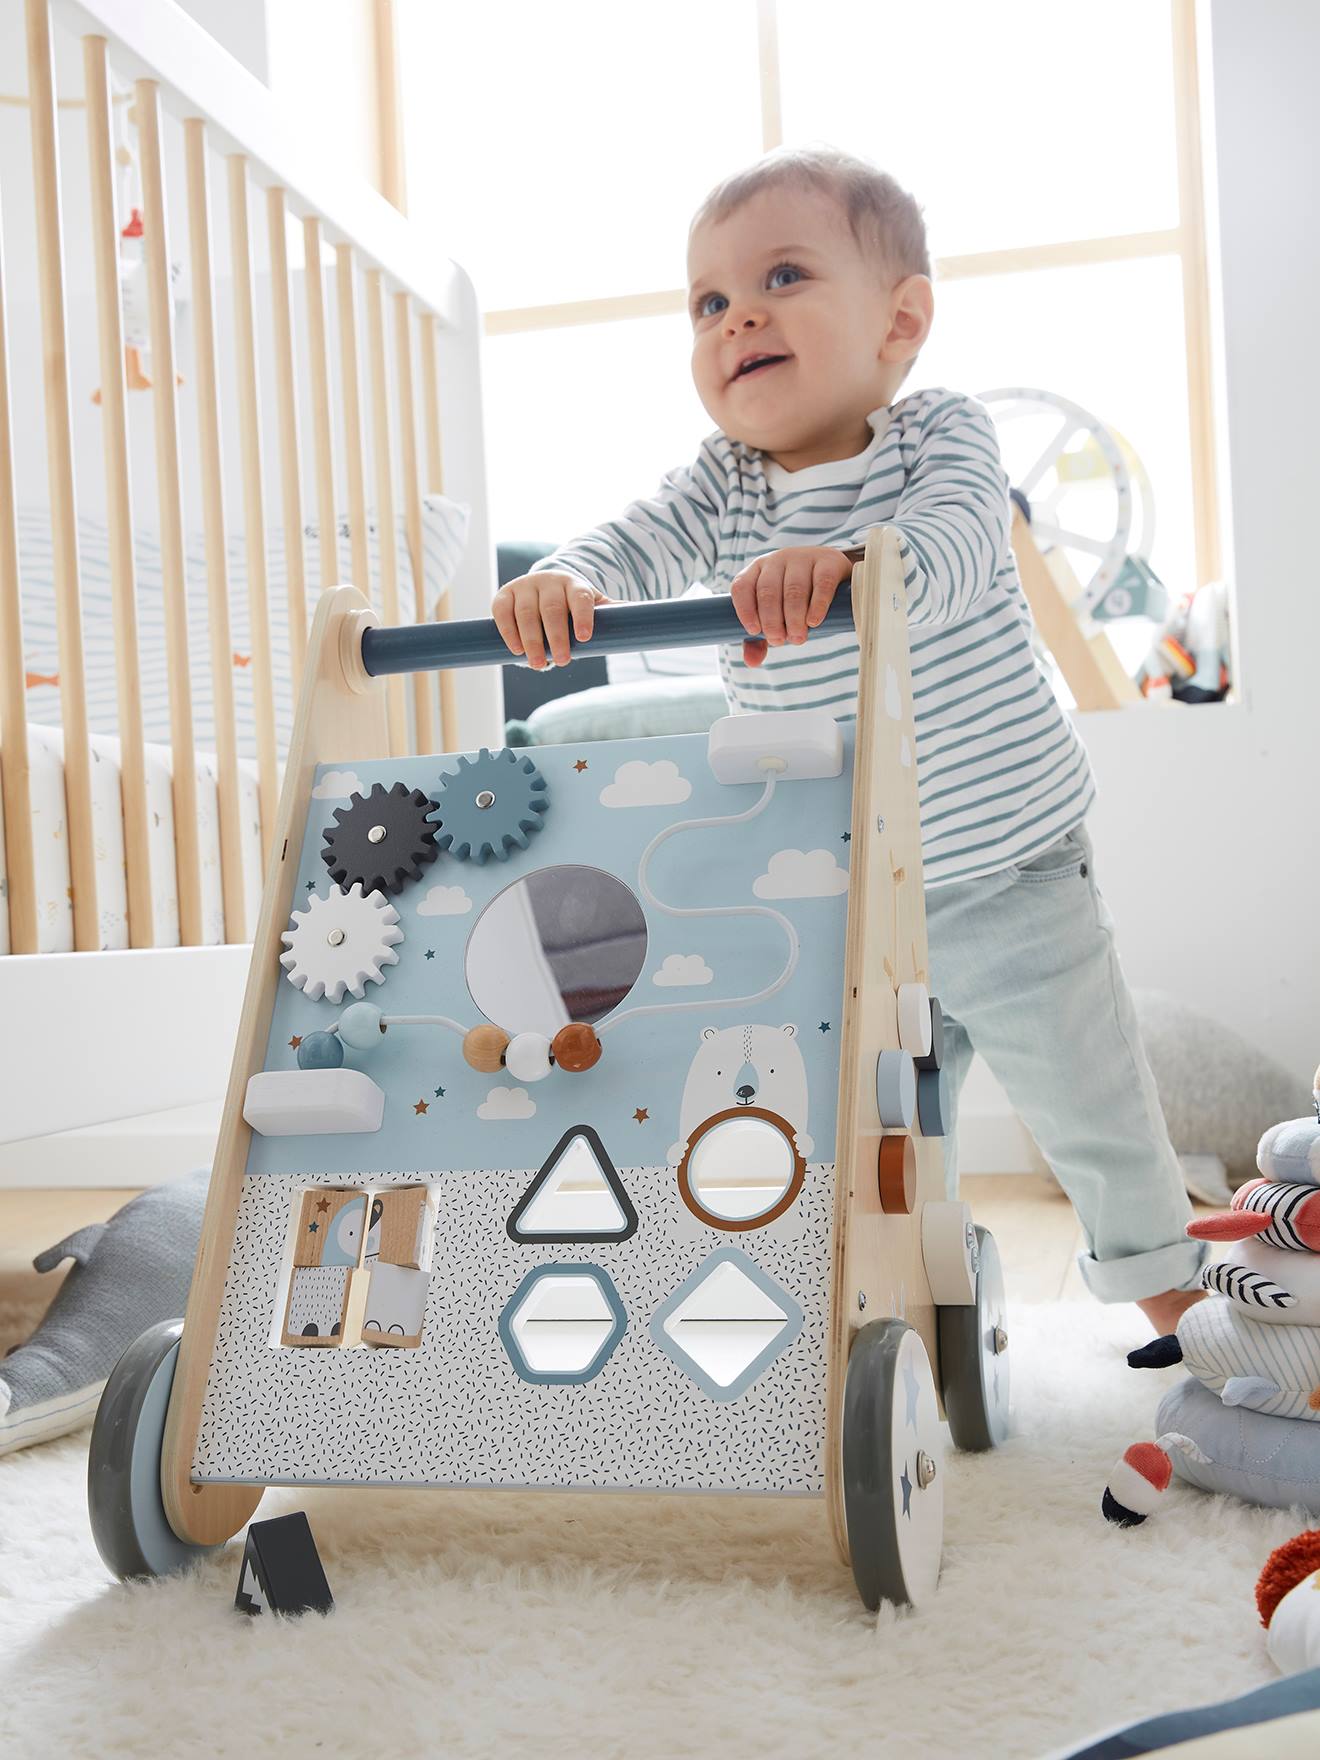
(810, 298)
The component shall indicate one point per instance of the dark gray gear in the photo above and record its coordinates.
(382, 840)
(490, 805)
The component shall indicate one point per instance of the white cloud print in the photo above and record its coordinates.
(682, 969)
(337, 785)
(503, 1103)
(639, 784)
(801, 873)
(444, 901)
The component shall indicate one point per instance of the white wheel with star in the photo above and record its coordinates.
(893, 1466)
(974, 1363)
(341, 941)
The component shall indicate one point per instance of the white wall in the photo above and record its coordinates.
(1208, 824)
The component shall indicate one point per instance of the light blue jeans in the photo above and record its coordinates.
(1025, 967)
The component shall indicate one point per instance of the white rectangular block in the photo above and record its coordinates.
(312, 1102)
(807, 743)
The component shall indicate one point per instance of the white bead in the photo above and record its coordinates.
(359, 1026)
(527, 1057)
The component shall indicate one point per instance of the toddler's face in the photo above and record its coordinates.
(783, 281)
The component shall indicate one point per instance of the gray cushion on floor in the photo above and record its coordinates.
(1220, 1093)
(128, 1273)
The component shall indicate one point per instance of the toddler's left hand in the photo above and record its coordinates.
(784, 594)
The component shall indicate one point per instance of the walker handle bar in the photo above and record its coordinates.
(618, 629)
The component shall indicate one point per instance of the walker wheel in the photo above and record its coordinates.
(123, 1463)
(974, 1365)
(893, 1466)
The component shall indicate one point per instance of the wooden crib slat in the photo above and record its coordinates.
(396, 710)
(318, 360)
(59, 464)
(169, 488)
(14, 774)
(118, 490)
(213, 522)
(352, 396)
(286, 403)
(423, 687)
(435, 483)
(254, 499)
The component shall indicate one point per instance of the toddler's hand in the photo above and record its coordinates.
(534, 610)
(784, 594)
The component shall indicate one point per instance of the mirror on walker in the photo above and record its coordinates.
(563, 944)
(741, 1169)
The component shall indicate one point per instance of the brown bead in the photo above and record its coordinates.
(484, 1048)
(575, 1047)
(898, 1174)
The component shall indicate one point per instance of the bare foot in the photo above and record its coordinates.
(1166, 1310)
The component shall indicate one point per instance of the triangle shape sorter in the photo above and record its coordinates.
(577, 1195)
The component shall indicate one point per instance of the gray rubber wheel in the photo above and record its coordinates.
(974, 1364)
(893, 1466)
(123, 1463)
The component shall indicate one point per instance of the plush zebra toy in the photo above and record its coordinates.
(1255, 1341)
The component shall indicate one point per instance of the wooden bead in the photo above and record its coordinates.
(575, 1047)
(897, 1175)
(484, 1047)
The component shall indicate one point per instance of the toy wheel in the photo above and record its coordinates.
(123, 1464)
(893, 1466)
(974, 1365)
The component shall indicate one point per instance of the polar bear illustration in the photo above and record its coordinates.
(748, 1065)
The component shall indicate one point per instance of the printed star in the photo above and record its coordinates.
(295, 1042)
(313, 1228)
(311, 885)
(580, 766)
(824, 1026)
(420, 1107)
(641, 1115)
(906, 1483)
(912, 1393)
(323, 1203)
(439, 1093)
(846, 837)
(430, 953)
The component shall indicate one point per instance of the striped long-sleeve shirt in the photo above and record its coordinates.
(1002, 773)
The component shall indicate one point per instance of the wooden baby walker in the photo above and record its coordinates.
(583, 1128)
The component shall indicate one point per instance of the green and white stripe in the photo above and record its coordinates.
(1002, 773)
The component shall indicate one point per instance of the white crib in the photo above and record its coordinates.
(254, 438)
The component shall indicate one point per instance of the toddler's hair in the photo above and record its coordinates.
(884, 218)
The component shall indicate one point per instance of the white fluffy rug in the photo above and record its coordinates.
(502, 1625)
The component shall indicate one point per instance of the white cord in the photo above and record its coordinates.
(770, 765)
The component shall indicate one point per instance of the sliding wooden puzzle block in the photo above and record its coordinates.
(321, 1304)
(396, 1234)
(396, 1306)
(330, 1227)
(282, 1570)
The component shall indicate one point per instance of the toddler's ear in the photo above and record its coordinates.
(911, 313)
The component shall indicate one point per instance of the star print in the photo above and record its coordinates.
(313, 1228)
(420, 1107)
(323, 1204)
(824, 1026)
(912, 1393)
(846, 837)
(311, 885)
(580, 766)
(906, 1483)
(430, 953)
(439, 1093)
(295, 1042)
(641, 1115)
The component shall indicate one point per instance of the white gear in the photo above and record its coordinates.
(339, 941)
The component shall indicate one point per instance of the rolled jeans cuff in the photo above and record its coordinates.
(1132, 1279)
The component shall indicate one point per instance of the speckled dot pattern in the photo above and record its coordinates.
(454, 1411)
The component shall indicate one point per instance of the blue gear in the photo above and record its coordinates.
(475, 833)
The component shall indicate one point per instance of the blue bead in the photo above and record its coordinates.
(359, 1026)
(320, 1051)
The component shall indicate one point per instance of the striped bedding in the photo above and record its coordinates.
(444, 533)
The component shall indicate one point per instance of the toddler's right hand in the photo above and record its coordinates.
(534, 610)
